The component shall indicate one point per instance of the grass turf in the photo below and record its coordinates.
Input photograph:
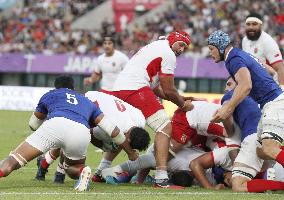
(22, 185)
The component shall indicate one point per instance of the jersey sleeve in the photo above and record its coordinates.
(41, 106)
(168, 65)
(124, 59)
(98, 67)
(227, 96)
(272, 52)
(221, 158)
(236, 63)
(96, 111)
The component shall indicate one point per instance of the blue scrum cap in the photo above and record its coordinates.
(220, 40)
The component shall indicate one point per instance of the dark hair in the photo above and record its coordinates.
(253, 14)
(109, 38)
(139, 138)
(182, 178)
(64, 82)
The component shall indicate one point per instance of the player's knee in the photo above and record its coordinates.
(159, 121)
(268, 150)
(8, 165)
(238, 185)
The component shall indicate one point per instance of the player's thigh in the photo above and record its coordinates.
(47, 136)
(26, 151)
(76, 141)
(272, 121)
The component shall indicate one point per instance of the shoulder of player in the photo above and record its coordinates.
(120, 54)
(266, 38)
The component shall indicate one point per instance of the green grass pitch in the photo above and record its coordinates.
(21, 183)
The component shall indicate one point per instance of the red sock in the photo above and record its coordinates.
(81, 169)
(44, 164)
(280, 158)
(260, 185)
(1, 174)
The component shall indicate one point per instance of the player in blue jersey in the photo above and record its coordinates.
(62, 119)
(253, 80)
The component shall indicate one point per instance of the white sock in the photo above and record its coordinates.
(60, 168)
(104, 164)
(161, 174)
(48, 158)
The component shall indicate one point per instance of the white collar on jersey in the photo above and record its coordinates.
(226, 56)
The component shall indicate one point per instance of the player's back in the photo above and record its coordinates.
(121, 113)
(68, 104)
(199, 118)
(143, 68)
(264, 88)
(247, 114)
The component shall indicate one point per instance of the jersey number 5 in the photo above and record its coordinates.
(71, 98)
(120, 105)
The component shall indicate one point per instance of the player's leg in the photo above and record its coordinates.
(18, 158)
(74, 145)
(59, 175)
(271, 130)
(243, 182)
(43, 162)
(40, 141)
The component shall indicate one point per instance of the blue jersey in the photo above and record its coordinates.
(68, 104)
(247, 114)
(264, 88)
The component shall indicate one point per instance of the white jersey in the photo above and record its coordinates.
(199, 118)
(119, 112)
(183, 158)
(144, 68)
(265, 48)
(109, 67)
(221, 158)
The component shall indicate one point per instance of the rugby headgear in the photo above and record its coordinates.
(178, 36)
(220, 40)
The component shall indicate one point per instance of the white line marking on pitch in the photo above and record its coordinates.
(127, 193)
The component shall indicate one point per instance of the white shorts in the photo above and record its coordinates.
(59, 132)
(271, 124)
(248, 156)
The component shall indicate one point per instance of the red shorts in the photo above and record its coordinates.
(144, 99)
(181, 131)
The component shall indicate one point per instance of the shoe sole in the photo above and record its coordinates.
(84, 180)
(173, 187)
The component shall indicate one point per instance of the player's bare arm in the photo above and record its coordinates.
(198, 167)
(36, 120)
(93, 78)
(242, 89)
(117, 136)
(171, 93)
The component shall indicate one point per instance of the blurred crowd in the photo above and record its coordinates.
(44, 27)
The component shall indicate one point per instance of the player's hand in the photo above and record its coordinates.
(188, 106)
(133, 155)
(193, 98)
(223, 113)
(219, 187)
(88, 81)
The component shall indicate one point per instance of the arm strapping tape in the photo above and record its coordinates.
(109, 127)
(35, 122)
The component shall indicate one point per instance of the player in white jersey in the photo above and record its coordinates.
(263, 46)
(189, 129)
(150, 74)
(109, 65)
(131, 122)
